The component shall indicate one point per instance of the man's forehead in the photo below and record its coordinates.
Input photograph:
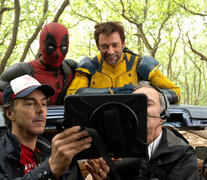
(144, 90)
(149, 91)
(112, 36)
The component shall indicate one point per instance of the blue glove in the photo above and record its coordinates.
(127, 89)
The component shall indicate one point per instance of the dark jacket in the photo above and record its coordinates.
(173, 159)
(10, 167)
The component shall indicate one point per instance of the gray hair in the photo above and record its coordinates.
(163, 99)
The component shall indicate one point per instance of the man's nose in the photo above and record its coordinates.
(39, 108)
(110, 50)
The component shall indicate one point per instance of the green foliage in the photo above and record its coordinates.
(167, 27)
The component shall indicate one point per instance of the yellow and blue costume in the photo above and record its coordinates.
(95, 76)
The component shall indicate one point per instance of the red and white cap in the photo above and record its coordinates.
(23, 86)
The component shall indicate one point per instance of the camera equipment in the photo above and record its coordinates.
(117, 123)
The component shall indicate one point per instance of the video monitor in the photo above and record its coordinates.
(116, 123)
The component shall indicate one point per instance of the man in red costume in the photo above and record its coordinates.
(50, 68)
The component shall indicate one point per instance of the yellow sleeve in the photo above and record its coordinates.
(80, 81)
(161, 81)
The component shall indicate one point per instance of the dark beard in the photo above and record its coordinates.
(105, 56)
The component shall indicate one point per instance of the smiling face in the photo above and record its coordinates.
(154, 124)
(111, 47)
(29, 115)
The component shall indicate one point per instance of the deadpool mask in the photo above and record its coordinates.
(54, 43)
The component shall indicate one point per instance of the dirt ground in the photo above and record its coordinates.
(193, 139)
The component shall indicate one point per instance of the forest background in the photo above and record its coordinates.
(172, 31)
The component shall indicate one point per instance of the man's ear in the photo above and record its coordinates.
(123, 45)
(98, 47)
(163, 121)
(10, 114)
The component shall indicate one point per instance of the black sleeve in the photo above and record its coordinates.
(14, 71)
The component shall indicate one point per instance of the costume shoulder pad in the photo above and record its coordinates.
(129, 51)
(88, 64)
(72, 63)
(14, 71)
(146, 65)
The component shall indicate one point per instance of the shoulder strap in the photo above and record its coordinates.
(72, 63)
(130, 62)
(99, 144)
(98, 65)
(129, 51)
(66, 71)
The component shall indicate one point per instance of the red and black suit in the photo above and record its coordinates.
(50, 68)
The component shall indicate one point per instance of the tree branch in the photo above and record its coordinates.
(14, 36)
(190, 11)
(34, 35)
(5, 9)
(97, 9)
(203, 57)
(3, 39)
(60, 11)
(171, 54)
(83, 16)
(139, 27)
(1, 15)
(158, 39)
(144, 38)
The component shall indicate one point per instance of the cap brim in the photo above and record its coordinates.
(46, 89)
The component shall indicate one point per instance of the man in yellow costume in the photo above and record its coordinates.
(116, 69)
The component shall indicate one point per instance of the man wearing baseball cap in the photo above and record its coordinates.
(23, 152)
